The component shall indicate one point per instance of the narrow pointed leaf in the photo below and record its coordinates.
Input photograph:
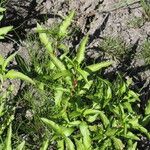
(8, 139)
(81, 50)
(118, 143)
(65, 24)
(45, 145)
(86, 135)
(147, 109)
(44, 39)
(7, 61)
(5, 30)
(98, 66)
(104, 118)
(53, 125)
(2, 9)
(12, 74)
(21, 146)
(60, 145)
(69, 144)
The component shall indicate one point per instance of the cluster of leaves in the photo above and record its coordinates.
(79, 108)
(114, 46)
(86, 111)
(145, 51)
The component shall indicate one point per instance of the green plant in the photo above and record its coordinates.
(145, 51)
(88, 112)
(136, 22)
(146, 6)
(113, 46)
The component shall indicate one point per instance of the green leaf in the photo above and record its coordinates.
(60, 145)
(1, 17)
(5, 30)
(7, 145)
(7, 61)
(118, 143)
(86, 135)
(104, 119)
(146, 120)
(79, 145)
(111, 132)
(132, 136)
(54, 126)
(65, 24)
(45, 145)
(1, 60)
(58, 97)
(132, 146)
(63, 73)
(98, 66)
(44, 39)
(90, 112)
(12, 74)
(20, 146)
(81, 50)
(69, 144)
(105, 145)
(2, 9)
(147, 109)
(57, 62)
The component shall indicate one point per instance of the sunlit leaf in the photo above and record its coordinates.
(147, 109)
(81, 50)
(86, 135)
(21, 146)
(45, 145)
(5, 30)
(65, 24)
(69, 144)
(98, 66)
(118, 144)
(7, 61)
(7, 145)
(12, 74)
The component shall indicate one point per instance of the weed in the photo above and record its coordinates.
(145, 51)
(146, 7)
(115, 47)
(87, 111)
(136, 22)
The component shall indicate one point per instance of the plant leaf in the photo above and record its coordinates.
(118, 143)
(98, 66)
(20, 146)
(54, 126)
(104, 118)
(7, 145)
(44, 39)
(147, 109)
(65, 24)
(12, 74)
(5, 30)
(69, 144)
(45, 145)
(81, 50)
(86, 135)
(8, 60)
